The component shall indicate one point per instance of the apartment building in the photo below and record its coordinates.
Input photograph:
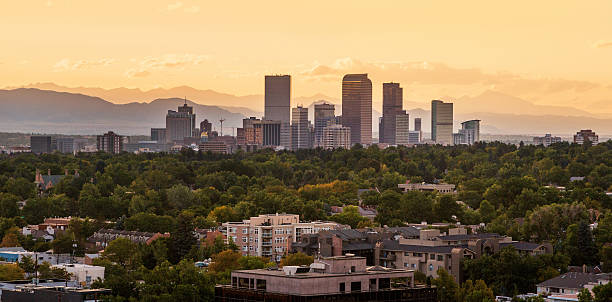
(271, 235)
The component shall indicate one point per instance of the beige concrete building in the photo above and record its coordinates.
(271, 235)
(442, 122)
(425, 187)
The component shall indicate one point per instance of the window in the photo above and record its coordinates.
(278, 231)
(256, 231)
(231, 230)
(406, 264)
(250, 248)
(245, 248)
(245, 231)
(260, 284)
(440, 257)
(234, 238)
(413, 265)
(352, 269)
(356, 286)
(342, 287)
(245, 239)
(406, 254)
(432, 256)
(289, 231)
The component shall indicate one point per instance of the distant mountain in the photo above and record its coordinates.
(43, 111)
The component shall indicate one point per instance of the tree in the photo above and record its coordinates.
(11, 238)
(585, 296)
(222, 214)
(349, 216)
(580, 245)
(296, 259)
(446, 286)
(475, 292)
(182, 239)
(225, 261)
(253, 262)
(123, 252)
(603, 293)
(445, 207)
(27, 265)
(10, 272)
(8, 205)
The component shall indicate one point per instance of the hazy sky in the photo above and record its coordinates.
(532, 49)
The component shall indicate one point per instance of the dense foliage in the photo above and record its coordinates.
(514, 189)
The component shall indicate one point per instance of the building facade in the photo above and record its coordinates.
(391, 111)
(271, 235)
(546, 140)
(180, 124)
(40, 144)
(300, 129)
(110, 142)
(357, 107)
(64, 144)
(336, 136)
(278, 105)
(402, 129)
(324, 115)
(586, 135)
(442, 122)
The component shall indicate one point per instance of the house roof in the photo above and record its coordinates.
(348, 234)
(357, 246)
(407, 232)
(521, 245)
(393, 245)
(53, 179)
(571, 280)
(468, 236)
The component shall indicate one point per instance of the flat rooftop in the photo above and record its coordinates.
(373, 270)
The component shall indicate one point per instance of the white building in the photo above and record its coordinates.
(336, 136)
(82, 273)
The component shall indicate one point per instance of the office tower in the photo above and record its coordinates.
(158, 135)
(300, 128)
(64, 144)
(586, 135)
(206, 127)
(271, 132)
(278, 104)
(110, 142)
(336, 136)
(252, 131)
(470, 130)
(180, 124)
(414, 137)
(442, 122)
(324, 115)
(402, 129)
(417, 127)
(392, 107)
(40, 144)
(546, 140)
(357, 107)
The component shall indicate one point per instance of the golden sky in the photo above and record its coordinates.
(547, 51)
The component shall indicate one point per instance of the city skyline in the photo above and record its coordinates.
(483, 58)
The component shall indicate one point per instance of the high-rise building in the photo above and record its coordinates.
(110, 142)
(300, 128)
(402, 129)
(546, 140)
(158, 135)
(414, 137)
(271, 132)
(470, 130)
(40, 144)
(586, 135)
(64, 144)
(278, 104)
(180, 124)
(253, 131)
(392, 108)
(357, 107)
(336, 136)
(442, 122)
(417, 127)
(324, 115)
(206, 127)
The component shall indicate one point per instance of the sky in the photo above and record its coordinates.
(549, 52)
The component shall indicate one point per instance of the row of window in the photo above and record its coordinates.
(431, 256)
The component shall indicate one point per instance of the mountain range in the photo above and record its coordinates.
(49, 111)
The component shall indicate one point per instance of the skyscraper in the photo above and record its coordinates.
(336, 136)
(278, 104)
(324, 115)
(470, 131)
(40, 144)
(392, 107)
(300, 130)
(442, 122)
(402, 129)
(357, 107)
(417, 127)
(180, 124)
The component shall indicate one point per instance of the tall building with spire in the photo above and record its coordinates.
(357, 107)
(278, 104)
(442, 122)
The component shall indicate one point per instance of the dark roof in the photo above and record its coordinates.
(357, 246)
(570, 280)
(348, 234)
(468, 236)
(393, 245)
(407, 232)
(520, 245)
(54, 179)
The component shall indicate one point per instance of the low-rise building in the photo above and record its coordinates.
(83, 274)
(546, 140)
(340, 278)
(425, 187)
(42, 293)
(271, 235)
(103, 237)
(572, 283)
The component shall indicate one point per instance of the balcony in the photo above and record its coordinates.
(266, 243)
(388, 257)
(266, 235)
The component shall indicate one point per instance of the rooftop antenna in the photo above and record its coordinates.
(221, 121)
